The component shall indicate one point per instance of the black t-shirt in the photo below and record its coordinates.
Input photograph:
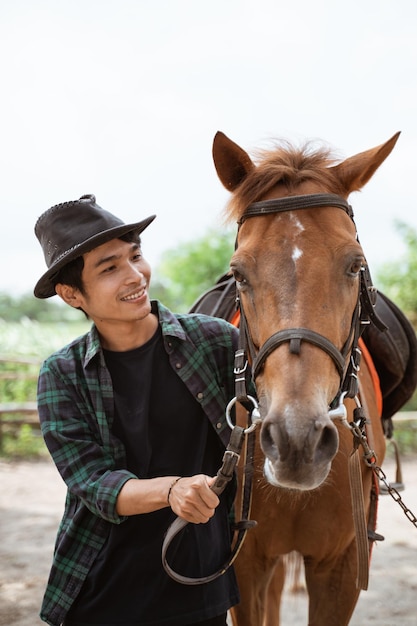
(165, 432)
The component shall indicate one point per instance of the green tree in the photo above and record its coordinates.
(398, 280)
(184, 273)
(26, 306)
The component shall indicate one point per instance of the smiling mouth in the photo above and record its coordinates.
(134, 296)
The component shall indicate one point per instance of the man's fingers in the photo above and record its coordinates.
(192, 498)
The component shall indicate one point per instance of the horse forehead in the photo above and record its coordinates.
(285, 233)
(308, 229)
(296, 223)
(299, 243)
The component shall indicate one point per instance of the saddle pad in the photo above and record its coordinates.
(394, 353)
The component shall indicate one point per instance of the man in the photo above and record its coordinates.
(133, 416)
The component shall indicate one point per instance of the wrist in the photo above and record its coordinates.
(172, 484)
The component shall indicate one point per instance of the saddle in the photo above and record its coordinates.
(394, 351)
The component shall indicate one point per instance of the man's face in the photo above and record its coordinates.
(116, 281)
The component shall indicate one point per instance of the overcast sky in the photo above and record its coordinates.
(122, 98)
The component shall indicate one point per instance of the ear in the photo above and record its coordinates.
(356, 171)
(70, 295)
(232, 163)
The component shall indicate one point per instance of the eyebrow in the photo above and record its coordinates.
(114, 257)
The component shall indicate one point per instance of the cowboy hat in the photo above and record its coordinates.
(68, 230)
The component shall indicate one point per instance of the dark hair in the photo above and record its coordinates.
(71, 274)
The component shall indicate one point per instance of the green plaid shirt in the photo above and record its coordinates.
(76, 410)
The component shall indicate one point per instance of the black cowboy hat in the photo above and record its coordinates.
(68, 230)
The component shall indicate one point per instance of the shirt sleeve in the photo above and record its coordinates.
(91, 468)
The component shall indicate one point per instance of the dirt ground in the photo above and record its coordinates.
(31, 503)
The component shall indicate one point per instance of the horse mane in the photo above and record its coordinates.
(286, 165)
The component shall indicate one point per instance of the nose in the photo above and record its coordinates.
(313, 442)
(134, 271)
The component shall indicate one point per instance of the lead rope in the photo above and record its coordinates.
(358, 505)
(358, 430)
(226, 472)
(224, 476)
(356, 489)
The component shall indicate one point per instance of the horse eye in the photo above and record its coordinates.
(239, 278)
(356, 267)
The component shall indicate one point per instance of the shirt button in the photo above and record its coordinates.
(218, 425)
(178, 365)
(200, 395)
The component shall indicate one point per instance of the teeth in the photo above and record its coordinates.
(133, 296)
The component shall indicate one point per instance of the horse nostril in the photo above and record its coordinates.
(280, 443)
(328, 443)
(271, 439)
(267, 443)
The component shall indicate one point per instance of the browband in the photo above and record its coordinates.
(307, 201)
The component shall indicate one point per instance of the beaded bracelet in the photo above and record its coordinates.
(174, 482)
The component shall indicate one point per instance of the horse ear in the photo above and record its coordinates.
(232, 163)
(356, 171)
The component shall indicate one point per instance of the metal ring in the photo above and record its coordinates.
(255, 421)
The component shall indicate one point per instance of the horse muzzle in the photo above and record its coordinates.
(298, 449)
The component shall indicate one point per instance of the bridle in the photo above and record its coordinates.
(347, 368)
(363, 313)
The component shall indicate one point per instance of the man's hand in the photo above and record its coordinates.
(192, 499)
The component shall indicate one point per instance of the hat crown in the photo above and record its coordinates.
(66, 226)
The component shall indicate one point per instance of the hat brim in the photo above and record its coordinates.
(45, 287)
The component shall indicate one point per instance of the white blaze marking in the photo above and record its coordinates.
(297, 252)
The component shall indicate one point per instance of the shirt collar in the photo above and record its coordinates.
(93, 346)
(167, 320)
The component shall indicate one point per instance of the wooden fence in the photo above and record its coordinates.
(13, 415)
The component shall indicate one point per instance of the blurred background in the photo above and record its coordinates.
(122, 99)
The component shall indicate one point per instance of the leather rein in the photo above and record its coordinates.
(363, 314)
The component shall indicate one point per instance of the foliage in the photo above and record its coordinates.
(405, 434)
(411, 405)
(399, 279)
(29, 338)
(24, 345)
(184, 273)
(24, 443)
(16, 308)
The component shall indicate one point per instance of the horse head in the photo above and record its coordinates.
(298, 276)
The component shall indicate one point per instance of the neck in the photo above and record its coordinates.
(123, 337)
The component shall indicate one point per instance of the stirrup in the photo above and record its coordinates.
(398, 484)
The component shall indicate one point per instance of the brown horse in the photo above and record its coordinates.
(298, 267)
